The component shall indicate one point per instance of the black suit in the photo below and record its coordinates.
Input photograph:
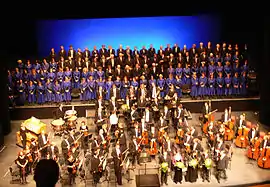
(150, 117)
(102, 103)
(256, 134)
(117, 166)
(62, 54)
(23, 138)
(86, 54)
(134, 153)
(103, 52)
(41, 144)
(74, 53)
(65, 147)
(110, 52)
(151, 52)
(95, 162)
(222, 165)
(53, 152)
(176, 51)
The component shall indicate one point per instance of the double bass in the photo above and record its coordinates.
(253, 151)
(242, 138)
(264, 159)
(210, 118)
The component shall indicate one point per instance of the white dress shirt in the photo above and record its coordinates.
(113, 119)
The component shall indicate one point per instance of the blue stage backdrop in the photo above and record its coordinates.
(127, 31)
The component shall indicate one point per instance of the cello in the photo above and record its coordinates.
(145, 137)
(209, 118)
(179, 136)
(153, 147)
(242, 138)
(253, 151)
(264, 159)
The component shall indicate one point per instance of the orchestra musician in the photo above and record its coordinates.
(113, 120)
(115, 92)
(178, 168)
(187, 140)
(220, 146)
(59, 113)
(265, 143)
(196, 146)
(85, 138)
(148, 115)
(42, 142)
(211, 131)
(161, 122)
(134, 114)
(225, 117)
(95, 144)
(240, 123)
(53, 152)
(99, 118)
(165, 162)
(206, 165)
(179, 114)
(28, 154)
(193, 132)
(34, 150)
(95, 162)
(113, 104)
(65, 145)
(72, 169)
(222, 165)
(253, 134)
(134, 148)
(100, 103)
(22, 162)
(23, 136)
(205, 111)
(117, 159)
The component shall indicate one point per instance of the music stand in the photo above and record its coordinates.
(144, 158)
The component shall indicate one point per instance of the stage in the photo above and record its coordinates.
(241, 171)
(194, 106)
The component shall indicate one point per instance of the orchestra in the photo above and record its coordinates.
(150, 102)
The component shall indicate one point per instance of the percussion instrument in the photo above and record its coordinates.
(58, 125)
(70, 113)
(72, 118)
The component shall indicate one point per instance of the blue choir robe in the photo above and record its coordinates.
(68, 74)
(93, 74)
(124, 89)
(194, 87)
(21, 67)
(235, 57)
(118, 84)
(100, 74)
(85, 75)
(227, 70)
(195, 69)
(135, 84)
(161, 85)
(211, 86)
(108, 87)
(21, 91)
(29, 68)
(49, 92)
(51, 76)
(26, 78)
(236, 85)
(151, 81)
(10, 81)
(186, 77)
(53, 66)
(203, 69)
(211, 59)
(179, 71)
(227, 59)
(178, 87)
(34, 78)
(243, 85)
(67, 91)
(244, 68)
(91, 91)
(202, 86)
(211, 69)
(45, 67)
(58, 89)
(18, 76)
(43, 78)
(83, 88)
(40, 94)
(220, 86)
(76, 79)
(171, 71)
(37, 67)
(60, 77)
(236, 68)
(101, 83)
(143, 82)
(219, 69)
(169, 81)
(228, 86)
(217, 59)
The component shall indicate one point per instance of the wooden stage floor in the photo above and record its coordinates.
(241, 172)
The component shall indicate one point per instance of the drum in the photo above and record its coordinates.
(70, 113)
(57, 125)
(72, 118)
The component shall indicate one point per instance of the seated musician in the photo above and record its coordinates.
(166, 114)
(148, 115)
(22, 162)
(187, 140)
(95, 162)
(28, 155)
(99, 117)
(240, 123)
(53, 152)
(65, 146)
(72, 169)
(85, 138)
(205, 111)
(113, 104)
(168, 145)
(95, 143)
(42, 142)
(134, 148)
(136, 131)
(225, 117)
(134, 114)
(100, 103)
(153, 133)
(115, 92)
(265, 143)
(253, 134)
(196, 146)
(165, 162)
(58, 113)
(221, 131)
(162, 122)
(220, 146)
(193, 132)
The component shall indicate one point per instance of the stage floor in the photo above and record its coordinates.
(241, 172)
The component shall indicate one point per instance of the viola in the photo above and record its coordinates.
(264, 159)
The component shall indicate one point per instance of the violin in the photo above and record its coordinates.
(264, 159)
(253, 151)
(242, 138)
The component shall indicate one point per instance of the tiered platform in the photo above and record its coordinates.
(194, 106)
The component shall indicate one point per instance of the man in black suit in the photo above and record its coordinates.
(253, 134)
(143, 51)
(110, 51)
(42, 142)
(53, 152)
(118, 166)
(148, 115)
(265, 143)
(151, 51)
(113, 104)
(62, 52)
(222, 165)
(103, 51)
(196, 146)
(165, 168)
(187, 140)
(178, 114)
(114, 92)
(94, 53)
(71, 53)
(23, 136)
(176, 50)
(59, 113)
(70, 63)
(65, 145)
(205, 111)
(100, 103)
(240, 123)
(95, 162)
(86, 53)
(134, 114)
(134, 148)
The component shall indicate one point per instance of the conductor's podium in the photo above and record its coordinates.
(33, 128)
